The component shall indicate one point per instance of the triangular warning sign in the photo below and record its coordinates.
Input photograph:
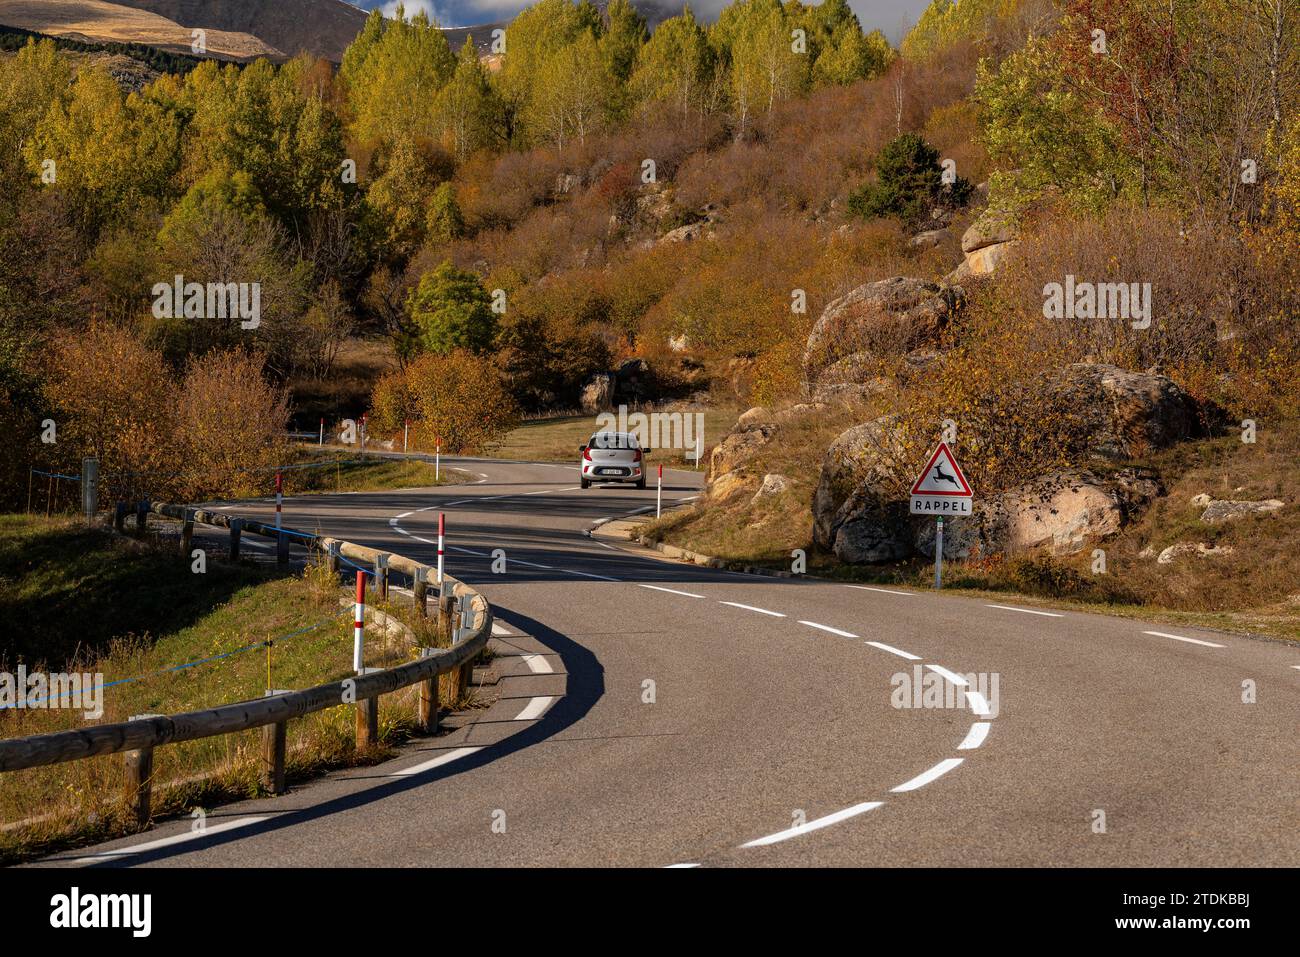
(942, 476)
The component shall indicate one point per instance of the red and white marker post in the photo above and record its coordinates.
(359, 631)
(442, 533)
(279, 497)
(659, 493)
(364, 417)
(321, 442)
(437, 461)
(406, 434)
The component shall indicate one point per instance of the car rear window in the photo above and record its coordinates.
(614, 440)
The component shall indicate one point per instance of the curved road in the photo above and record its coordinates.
(663, 714)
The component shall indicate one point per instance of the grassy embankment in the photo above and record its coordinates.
(1255, 588)
(94, 602)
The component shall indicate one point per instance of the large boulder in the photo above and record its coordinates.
(739, 446)
(859, 511)
(1218, 512)
(886, 318)
(986, 259)
(990, 228)
(1063, 511)
(1128, 413)
(598, 393)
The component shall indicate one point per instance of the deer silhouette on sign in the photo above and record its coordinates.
(941, 476)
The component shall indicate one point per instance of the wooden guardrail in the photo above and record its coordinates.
(139, 736)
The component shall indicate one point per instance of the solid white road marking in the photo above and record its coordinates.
(816, 825)
(887, 591)
(938, 771)
(761, 611)
(975, 736)
(894, 651)
(538, 664)
(978, 705)
(435, 762)
(669, 867)
(1027, 611)
(535, 708)
(147, 846)
(947, 675)
(671, 591)
(1190, 641)
(833, 631)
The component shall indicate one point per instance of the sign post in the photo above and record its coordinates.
(941, 489)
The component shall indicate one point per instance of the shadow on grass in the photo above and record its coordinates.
(75, 589)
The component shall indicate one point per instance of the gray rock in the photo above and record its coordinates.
(859, 506)
(890, 317)
(773, 484)
(1226, 511)
(1127, 413)
(598, 393)
(753, 416)
(928, 239)
(991, 227)
(1200, 549)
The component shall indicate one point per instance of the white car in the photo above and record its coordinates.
(613, 457)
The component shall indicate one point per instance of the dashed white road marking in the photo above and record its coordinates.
(1296, 667)
(437, 762)
(761, 611)
(947, 675)
(833, 631)
(535, 708)
(886, 591)
(538, 664)
(1190, 641)
(1027, 611)
(975, 736)
(574, 571)
(671, 591)
(501, 631)
(147, 846)
(671, 867)
(978, 706)
(921, 780)
(894, 651)
(816, 825)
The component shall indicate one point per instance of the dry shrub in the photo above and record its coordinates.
(198, 437)
(458, 398)
(229, 422)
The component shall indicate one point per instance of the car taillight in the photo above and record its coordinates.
(586, 455)
(636, 455)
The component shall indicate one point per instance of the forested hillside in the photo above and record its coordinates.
(694, 197)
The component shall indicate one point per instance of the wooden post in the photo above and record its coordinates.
(421, 589)
(139, 783)
(274, 738)
(334, 557)
(236, 528)
(187, 533)
(367, 723)
(119, 517)
(427, 715)
(139, 778)
(141, 517)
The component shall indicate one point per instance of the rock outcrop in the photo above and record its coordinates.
(887, 318)
(858, 509)
(1128, 413)
(1216, 513)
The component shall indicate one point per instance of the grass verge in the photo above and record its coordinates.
(177, 642)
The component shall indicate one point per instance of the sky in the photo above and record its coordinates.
(892, 17)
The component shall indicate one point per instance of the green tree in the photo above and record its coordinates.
(444, 222)
(469, 109)
(449, 310)
(675, 65)
(909, 182)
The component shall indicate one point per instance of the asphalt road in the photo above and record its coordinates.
(664, 714)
